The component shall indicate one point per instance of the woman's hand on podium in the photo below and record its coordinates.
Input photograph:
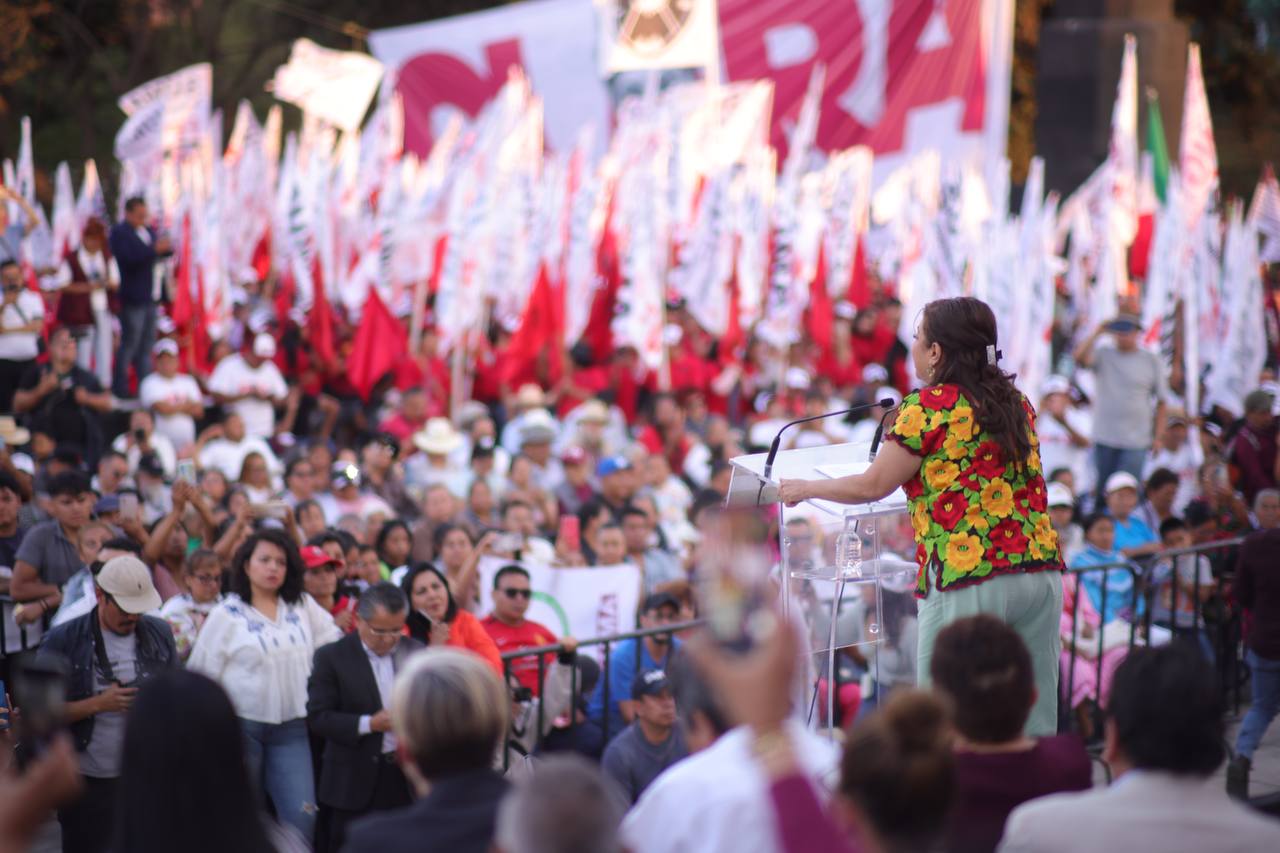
(791, 492)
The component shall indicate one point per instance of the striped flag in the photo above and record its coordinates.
(1197, 155)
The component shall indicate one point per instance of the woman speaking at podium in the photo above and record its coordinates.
(965, 451)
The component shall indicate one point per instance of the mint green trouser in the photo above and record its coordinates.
(1031, 604)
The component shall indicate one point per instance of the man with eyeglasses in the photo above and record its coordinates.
(512, 594)
(347, 700)
(109, 652)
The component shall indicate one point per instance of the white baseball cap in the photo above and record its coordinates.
(127, 580)
(1121, 480)
(1060, 495)
(264, 346)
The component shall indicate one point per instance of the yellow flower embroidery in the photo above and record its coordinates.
(961, 425)
(1045, 536)
(976, 519)
(940, 474)
(964, 552)
(910, 421)
(920, 519)
(954, 446)
(997, 498)
(1033, 461)
(1034, 549)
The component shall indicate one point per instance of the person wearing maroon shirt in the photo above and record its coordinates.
(1253, 450)
(983, 668)
(509, 629)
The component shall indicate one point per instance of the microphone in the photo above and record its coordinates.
(875, 442)
(887, 402)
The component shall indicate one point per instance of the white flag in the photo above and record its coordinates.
(186, 95)
(1122, 153)
(1197, 155)
(639, 35)
(65, 235)
(1264, 214)
(335, 86)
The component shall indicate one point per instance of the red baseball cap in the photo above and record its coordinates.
(314, 557)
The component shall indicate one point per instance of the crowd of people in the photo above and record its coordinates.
(239, 561)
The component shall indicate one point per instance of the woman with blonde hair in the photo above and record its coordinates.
(450, 713)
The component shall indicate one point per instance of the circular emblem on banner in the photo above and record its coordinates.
(649, 26)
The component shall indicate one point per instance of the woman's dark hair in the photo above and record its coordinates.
(1167, 711)
(899, 769)
(407, 585)
(387, 528)
(291, 590)
(183, 720)
(439, 534)
(983, 666)
(964, 328)
(1094, 519)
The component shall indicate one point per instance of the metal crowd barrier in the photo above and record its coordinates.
(1142, 600)
(541, 652)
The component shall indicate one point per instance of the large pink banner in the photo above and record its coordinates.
(901, 75)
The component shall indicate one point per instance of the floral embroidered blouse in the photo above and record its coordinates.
(974, 515)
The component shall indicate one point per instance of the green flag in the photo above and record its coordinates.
(1155, 145)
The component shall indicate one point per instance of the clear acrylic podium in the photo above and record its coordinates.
(836, 560)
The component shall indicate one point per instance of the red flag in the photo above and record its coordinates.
(598, 334)
(286, 295)
(198, 351)
(821, 314)
(320, 320)
(183, 311)
(262, 256)
(859, 287)
(380, 342)
(437, 262)
(539, 331)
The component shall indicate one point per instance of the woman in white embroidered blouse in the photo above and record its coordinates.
(258, 644)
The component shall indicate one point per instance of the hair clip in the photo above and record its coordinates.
(993, 354)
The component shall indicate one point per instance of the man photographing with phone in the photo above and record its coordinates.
(109, 652)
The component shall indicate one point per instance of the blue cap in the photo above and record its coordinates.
(611, 465)
(107, 503)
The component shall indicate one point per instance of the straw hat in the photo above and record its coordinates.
(438, 437)
(12, 434)
(530, 396)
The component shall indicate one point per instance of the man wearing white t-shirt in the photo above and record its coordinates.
(251, 385)
(21, 318)
(226, 445)
(174, 397)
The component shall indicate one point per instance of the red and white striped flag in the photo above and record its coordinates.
(1197, 155)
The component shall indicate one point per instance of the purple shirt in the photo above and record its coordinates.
(990, 785)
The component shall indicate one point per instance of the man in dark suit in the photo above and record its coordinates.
(347, 701)
(136, 248)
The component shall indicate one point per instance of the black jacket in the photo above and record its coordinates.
(73, 641)
(340, 691)
(457, 816)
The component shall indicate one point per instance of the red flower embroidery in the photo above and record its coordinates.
(969, 480)
(931, 441)
(1037, 495)
(949, 509)
(988, 461)
(913, 488)
(939, 397)
(1007, 539)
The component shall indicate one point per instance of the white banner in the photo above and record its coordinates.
(333, 85)
(581, 603)
(638, 35)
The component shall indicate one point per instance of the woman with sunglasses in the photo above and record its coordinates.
(437, 620)
(259, 644)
